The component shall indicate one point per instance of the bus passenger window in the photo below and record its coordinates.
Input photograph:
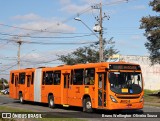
(72, 75)
(43, 81)
(78, 77)
(49, 78)
(12, 79)
(57, 77)
(28, 81)
(89, 76)
(100, 80)
(66, 80)
(16, 80)
(22, 78)
(32, 78)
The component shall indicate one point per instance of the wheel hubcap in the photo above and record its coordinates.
(51, 102)
(88, 105)
(21, 99)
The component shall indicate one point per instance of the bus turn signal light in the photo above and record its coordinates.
(141, 100)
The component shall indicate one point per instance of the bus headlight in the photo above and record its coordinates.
(113, 99)
(141, 100)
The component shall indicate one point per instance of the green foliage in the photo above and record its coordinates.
(4, 81)
(1, 85)
(149, 98)
(156, 5)
(147, 92)
(151, 24)
(16, 109)
(88, 54)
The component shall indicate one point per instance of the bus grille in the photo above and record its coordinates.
(127, 96)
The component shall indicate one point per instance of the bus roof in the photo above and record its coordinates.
(87, 65)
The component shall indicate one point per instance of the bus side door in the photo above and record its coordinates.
(65, 88)
(101, 89)
(27, 86)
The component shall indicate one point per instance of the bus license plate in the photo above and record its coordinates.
(125, 101)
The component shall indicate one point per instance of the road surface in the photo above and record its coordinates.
(77, 112)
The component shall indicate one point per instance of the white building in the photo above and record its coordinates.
(151, 74)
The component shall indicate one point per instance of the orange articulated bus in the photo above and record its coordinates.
(107, 85)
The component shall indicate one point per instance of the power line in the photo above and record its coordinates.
(70, 18)
(43, 37)
(90, 8)
(50, 43)
(8, 68)
(62, 37)
(41, 61)
(78, 14)
(4, 74)
(16, 27)
(116, 2)
(8, 59)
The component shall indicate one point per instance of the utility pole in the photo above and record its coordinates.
(99, 28)
(18, 54)
(101, 59)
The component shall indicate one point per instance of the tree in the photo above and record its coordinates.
(1, 83)
(151, 24)
(88, 54)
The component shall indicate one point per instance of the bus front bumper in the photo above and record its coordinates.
(116, 106)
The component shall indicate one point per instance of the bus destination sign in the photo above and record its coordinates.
(124, 67)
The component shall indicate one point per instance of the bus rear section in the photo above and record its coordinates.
(21, 84)
(125, 85)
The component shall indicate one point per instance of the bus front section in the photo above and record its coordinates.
(125, 85)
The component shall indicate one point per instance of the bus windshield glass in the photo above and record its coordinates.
(125, 82)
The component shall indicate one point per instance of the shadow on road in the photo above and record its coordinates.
(79, 109)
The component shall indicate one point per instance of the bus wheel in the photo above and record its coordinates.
(51, 101)
(21, 98)
(87, 105)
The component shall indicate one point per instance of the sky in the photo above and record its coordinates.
(47, 28)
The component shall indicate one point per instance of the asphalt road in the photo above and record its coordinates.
(77, 112)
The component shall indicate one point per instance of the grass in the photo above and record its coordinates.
(11, 109)
(61, 119)
(149, 98)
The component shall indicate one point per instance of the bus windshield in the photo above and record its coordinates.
(125, 82)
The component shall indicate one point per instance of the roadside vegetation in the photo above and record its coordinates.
(152, 98)
(12, 109)
(1, 83)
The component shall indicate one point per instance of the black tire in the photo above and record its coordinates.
(87, 105)
(158, 93)
(21, 98)
(51, 101)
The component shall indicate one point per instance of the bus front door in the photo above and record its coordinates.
(65, 89)
(101, 90)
